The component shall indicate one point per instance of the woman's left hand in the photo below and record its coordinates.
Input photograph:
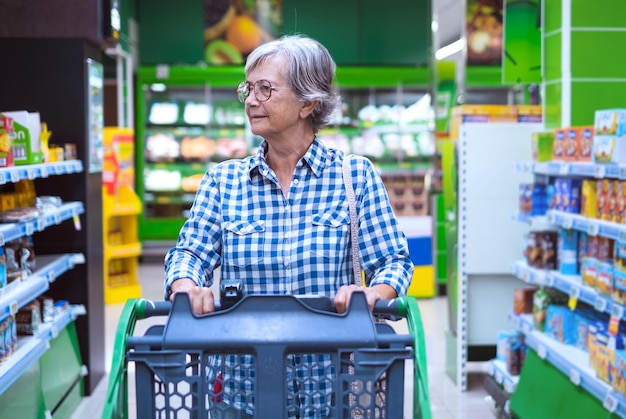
(372, 294)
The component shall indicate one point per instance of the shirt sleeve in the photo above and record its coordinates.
(198, 248)
(383, 246)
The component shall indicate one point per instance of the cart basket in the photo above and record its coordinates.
(269, 356)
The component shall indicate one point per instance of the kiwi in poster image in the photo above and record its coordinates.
(484, 32)
(233, 28)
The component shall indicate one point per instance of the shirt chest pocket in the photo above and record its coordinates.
(330, 233)
(243, 242)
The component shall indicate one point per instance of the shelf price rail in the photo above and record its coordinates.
(33, 171)
(18, 294)
(571, 361)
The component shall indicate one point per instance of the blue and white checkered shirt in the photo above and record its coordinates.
(296, 244)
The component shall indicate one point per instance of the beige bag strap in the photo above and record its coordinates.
(354, 234)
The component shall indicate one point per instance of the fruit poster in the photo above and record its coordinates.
(233, 28)
(484, 32)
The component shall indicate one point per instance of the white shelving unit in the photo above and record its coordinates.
(487, 239)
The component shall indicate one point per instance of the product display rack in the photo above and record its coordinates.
(483, 271)
(31, 350)
(571, 363)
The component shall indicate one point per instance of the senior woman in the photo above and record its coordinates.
(279, 220)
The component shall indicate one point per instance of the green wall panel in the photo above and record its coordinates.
(395, 32)
(552, 18)
(593, 54)
(24, 399)
(333, 23)
(587, 97)
(552, 105)
(552, 56)
(597, 13)
(170, 32)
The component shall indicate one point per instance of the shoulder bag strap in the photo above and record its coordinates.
(354, 235)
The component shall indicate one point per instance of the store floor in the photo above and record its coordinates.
(447, 402)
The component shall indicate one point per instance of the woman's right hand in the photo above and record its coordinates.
(201, 298)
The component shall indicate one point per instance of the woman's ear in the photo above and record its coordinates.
(307, 108)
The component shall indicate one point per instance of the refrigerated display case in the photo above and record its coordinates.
(190, 119)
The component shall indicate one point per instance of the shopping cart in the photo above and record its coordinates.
(189, 366)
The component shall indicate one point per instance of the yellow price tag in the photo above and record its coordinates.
(77, 225)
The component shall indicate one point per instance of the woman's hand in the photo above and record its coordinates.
(201, 298)
(372, 294)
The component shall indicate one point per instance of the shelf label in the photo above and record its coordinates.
(43, 171)
(622, 172)
(77, 224)
(622, 235)
(31, 174)
(57, 218)
(617, 311)
(517, 322)
(30, 229)
(568, 223)
(41, 224)
(526, 329)
(574, 376)
(13, 308)
(610, 403)
(15, 176)
(542, 351)
(564, 169)
(3, 178)
(551, 218)
(550, 280)
(51, 275)
(600, 304)
(593, 229)
(526, 277)
(600, 171)
(574, 293)
(54, 331)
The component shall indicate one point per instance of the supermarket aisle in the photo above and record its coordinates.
(447, 402)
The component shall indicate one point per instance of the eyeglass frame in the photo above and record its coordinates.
(241, 92)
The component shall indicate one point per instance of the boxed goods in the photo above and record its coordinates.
(533, 199)
(7, 133)
(584, 142)
(567, 252)
(542, 146)
(523, 300)
(609, 140)
(559, 145)
(588, 199)
(567, 194)
(26, 141)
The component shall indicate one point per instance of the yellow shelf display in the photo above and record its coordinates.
(121, 245)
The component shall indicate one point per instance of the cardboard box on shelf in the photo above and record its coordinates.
(609, 141)
(26, 139)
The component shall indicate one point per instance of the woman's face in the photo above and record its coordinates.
(281, 112)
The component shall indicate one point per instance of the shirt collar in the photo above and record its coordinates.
(316, 157)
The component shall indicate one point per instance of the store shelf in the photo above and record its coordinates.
(51, 217)
(573, 362)
(497, 369)
(122, 251)
(17, 294)
(34, 171)
(569, 284)
(583, 169)
(31, 348)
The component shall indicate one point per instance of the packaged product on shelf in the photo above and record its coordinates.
(533, 199)
(20, 258)
(3, 268)
(581, 253)
(523, 300)
(568, 194)
(501, 342)
(618, 372)
(532, 252)
(515, 350)
(584, 142)
(559, 145)
(61, 306)
(542, 146)
(549, 254)
(26, 140)
(560, 324)
(6, 337)
(567, 252)
(588, 198)
(28, 318)
(620, 203)
(47, 309)
(618, 292)
(581, 327)
(543, 298)
(609, 141)
(7, 132)
(4, 351)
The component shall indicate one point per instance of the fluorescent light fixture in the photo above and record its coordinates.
(158, 87)
(448, 50)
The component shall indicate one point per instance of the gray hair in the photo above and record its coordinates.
(309, 69)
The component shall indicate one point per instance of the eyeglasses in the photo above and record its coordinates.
(262, 90)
